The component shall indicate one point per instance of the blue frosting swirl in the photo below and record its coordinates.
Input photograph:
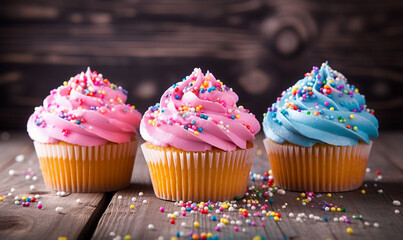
(321, 108)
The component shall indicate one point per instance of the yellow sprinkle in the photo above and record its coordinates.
(270, 172)
(24, 198)
(310, 88)
(62, 238)
(196, 133)
(303, 194)
(1, 199)
(174, 238)
(345, 91)
(259, 152)
(237, 116)
(210, 235)
(355, 128)
(127, 237)
(111, 100)
(276, 218)
(272, 213)
(329, 195)
(356, 90)
(363, 191)
(132, 206)
(268, 214)
(65, 83)
(331, 108)
(173, 216)
(196, 224)
(134, 107)
(333, 209)
(298, 199)
(349, 230)
(257, 238)
(338, 209)
(352, 116)
(119, 100)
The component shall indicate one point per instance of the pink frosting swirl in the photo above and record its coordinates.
(87, 110)
(197, 114)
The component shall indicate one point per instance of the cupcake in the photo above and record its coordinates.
(318, 134)
(199, 144)
(85, 135)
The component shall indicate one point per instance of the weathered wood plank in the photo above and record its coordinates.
(17, 222)
(374, 208)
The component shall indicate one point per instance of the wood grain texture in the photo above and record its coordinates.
(81, 221)
(17, 222)
(258, 47)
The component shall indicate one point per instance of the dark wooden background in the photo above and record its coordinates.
(257, 47)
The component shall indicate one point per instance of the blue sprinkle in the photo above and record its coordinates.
(326, 219)
(202, 90)
(213, 218)
(177, 97)
(200, 129)
(202, 115)
(193, 122)
(186, 128)
(271, 200)
(188, 209)
(78, 122)
(232, 117)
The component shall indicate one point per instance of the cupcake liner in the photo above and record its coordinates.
(73, 168)
(320, 168)
(214, 175)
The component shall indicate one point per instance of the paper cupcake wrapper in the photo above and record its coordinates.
(198, 176)
(320, 168)
(74, 168)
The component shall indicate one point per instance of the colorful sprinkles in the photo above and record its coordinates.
(323, 97)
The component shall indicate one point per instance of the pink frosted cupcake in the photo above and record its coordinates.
(85, 135)
(199, 142)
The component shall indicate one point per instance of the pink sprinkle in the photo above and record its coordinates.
(262, 224)
(162, 209)
(39, 206)
(326, 103)
(184, 213)
(236, 228)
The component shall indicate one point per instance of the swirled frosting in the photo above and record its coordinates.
(197, 114)
(321, 108)
(87, 110)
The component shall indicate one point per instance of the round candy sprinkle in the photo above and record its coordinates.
(11, 172)
(120, 197)
(141, 194)
(132, 207)
(150, 226)
(59, 209)
(196, 224)
(349, 230)
(162, 209)
(396, 203)
(39, 206)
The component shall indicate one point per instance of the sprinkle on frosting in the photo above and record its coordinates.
(321, 108)
(198, 113)
(86, 110)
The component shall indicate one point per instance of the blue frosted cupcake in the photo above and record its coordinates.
(318, 134)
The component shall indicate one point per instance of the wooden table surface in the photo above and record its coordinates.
(109, 216)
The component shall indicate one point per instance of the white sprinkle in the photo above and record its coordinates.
(380, 191)
(32, 187)
(397, 211)
(118, 237)
(150, 226)
(12, 190)
(253, 208)
(27, 177)
(231, 209)
(37, 196)
(141, 194)
(34, 178)
(303, 203)
(120, 197)
(17, 202)
(9, 194)
(217, 211)
(145, 201)
(376, 225)
(336, 219)
(396, 203)
(176, 213)
(134, 199)
(311, 216)
(368, 170)
(327, 209)
(281, 192)
(112, 234)
(160, 238)
(20, 158)
(62, 193)
(79, 201)
(169, 215)
(59, 209)
(183, 224)
(17, 198)
(291, 214)
(379, 177)
(11, 172)
(367, 224)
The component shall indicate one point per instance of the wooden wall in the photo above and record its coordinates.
(257, 47)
